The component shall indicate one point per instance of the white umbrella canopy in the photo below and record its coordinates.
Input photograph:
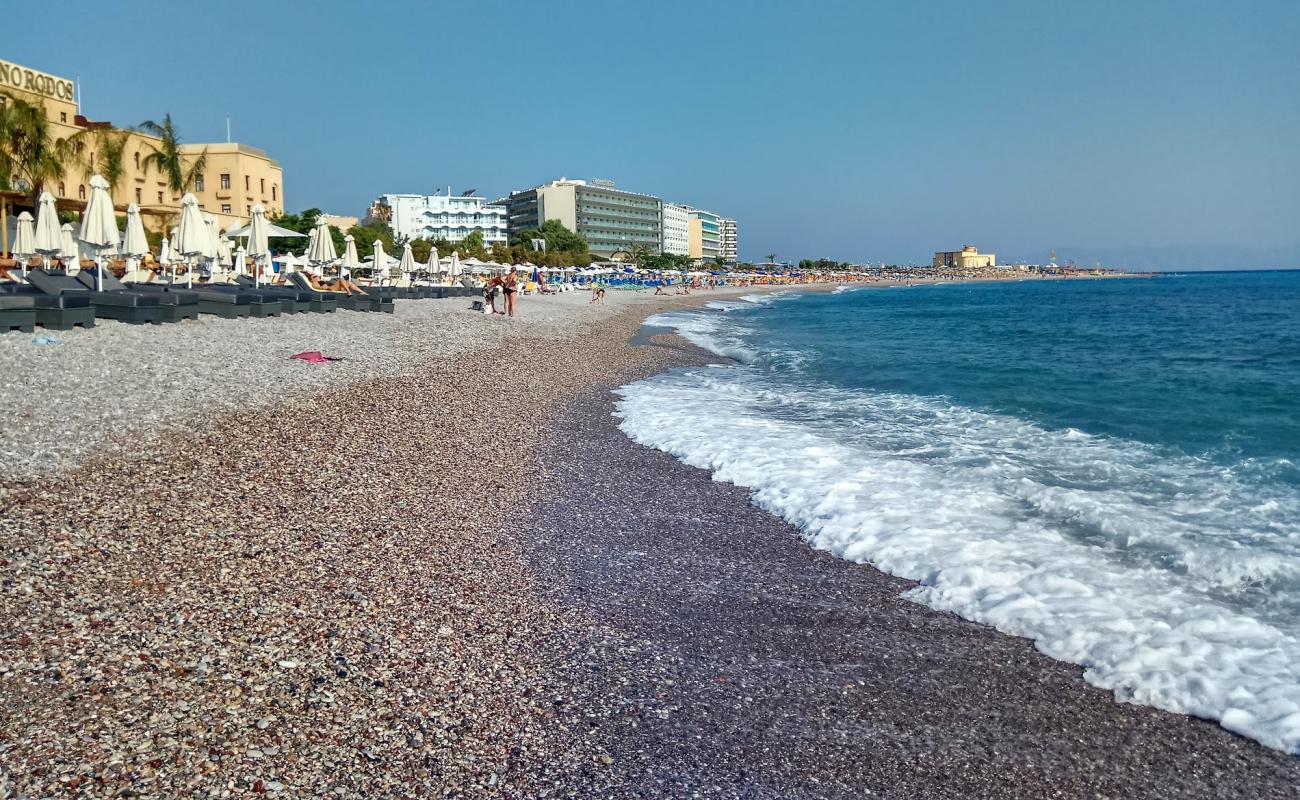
(454, 270)
(48, 234)
(211, 247)
(322, 245)
(69, 253)
(98, 227)
(350, 260)
(259, 245)
(24, 246)
(288, 263)
(433, 266)
(192, 238)
(134, 246)
(406, 265)
(380, 265)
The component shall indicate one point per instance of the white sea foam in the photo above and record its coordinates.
(1172, 581)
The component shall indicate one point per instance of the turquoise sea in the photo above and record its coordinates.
(1109, 467)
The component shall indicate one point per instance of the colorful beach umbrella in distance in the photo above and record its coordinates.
(192, 239)
(350, 261)
(48, 234)
(98, 226)
(259, 246)
(24, 246)
(69, 254)
(134, 245)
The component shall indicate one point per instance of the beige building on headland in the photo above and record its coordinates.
(236, 176)
(966, 259)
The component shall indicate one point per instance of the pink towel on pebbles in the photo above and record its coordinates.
(311, 357)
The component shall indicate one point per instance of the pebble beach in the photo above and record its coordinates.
(435, 568)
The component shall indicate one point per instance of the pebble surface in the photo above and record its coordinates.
(436, 569)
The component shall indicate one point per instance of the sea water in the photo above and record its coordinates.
(1108, 467)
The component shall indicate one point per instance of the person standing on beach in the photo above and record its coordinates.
(510, 283)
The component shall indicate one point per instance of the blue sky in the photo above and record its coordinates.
(1163, 131)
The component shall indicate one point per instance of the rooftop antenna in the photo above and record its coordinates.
(78, 93)
(227, 130)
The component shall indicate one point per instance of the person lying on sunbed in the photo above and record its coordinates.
(340, 285)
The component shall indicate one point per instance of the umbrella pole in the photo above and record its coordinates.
(99, 272)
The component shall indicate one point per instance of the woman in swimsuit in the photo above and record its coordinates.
(510, 284)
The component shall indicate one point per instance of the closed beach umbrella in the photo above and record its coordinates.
(322, 250)
(259, 246)
(134, 245)
(454, 271)
(192, 238)
(433, 266)
(165, 252)
(211, 246)
(380, 265)
(49, 236)
(25, 240)
(68, 250)
(98, 227)
(407, 263)
(350, 260)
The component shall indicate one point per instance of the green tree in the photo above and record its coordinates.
(110, 157)
(558, 238)
(29, 154)
(771, 258)
(420, 250)
(444, 247)
(502, 254)
(303, 222)
(473, 245)
(366, 234)
(177, 168)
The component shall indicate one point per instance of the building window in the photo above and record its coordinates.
(249, 209)
(273, 191)
(62, 192)
(225, 181)
(160, 198)
(137, 159)
(248, 184)
(81, 192)
(225, 208)
(138, 199)
(63, 116)
(261, 182)
(198, 183)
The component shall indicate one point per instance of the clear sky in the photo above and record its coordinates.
(850, 130)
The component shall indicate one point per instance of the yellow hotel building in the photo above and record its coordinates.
(235, 178)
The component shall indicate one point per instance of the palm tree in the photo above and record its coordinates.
(29, 156)
(110, 145)
(771, 258)
(641, 253)
(168, 159)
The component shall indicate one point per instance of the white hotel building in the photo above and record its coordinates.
(676, 229)
(439, 216)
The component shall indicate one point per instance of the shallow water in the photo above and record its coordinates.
(1106, 467)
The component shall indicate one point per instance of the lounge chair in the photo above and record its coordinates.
(56, 312)
(353, 302)
(175, 306)
(218, 300)
(17, 313)
(291, 297)
(129, 307)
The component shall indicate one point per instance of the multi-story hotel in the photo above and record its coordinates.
(439, 216)
(705, 233)
(676, 229)
(727, 247)
(236, 176)
(611, 220)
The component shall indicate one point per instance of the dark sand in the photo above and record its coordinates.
(729, 659)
